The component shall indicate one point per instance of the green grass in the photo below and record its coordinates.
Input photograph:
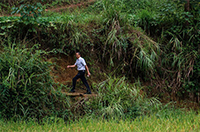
(178, 121)
(113, 26)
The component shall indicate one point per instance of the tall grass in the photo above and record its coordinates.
(180, 121)
(117, 99)
(108, 31)
(26, 87)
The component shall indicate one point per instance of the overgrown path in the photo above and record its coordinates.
(61, 8)
(63, 75)
(71, 6)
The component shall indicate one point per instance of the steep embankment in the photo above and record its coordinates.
(63, 75)
(60, 72)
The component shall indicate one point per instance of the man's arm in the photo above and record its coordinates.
(71, 66)
(87, 70)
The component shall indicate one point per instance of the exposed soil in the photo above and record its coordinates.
(60, 72)
(63, 75)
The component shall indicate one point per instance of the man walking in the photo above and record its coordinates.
(81, 66)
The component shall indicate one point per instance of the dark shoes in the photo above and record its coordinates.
(72, 91)
(88, 93)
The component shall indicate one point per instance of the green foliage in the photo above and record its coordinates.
(157, 41)
(168, 23)
(60, 33)
(28, 12)
(118, 99)
(26, 88)
(26, 25)
(7, 5)
(174, 120)
(122, 42)
(182, 52)
(63, 32)
(192, 85)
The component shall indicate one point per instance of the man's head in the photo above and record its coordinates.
(78, 54)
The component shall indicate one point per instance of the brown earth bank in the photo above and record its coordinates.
(59, 71)
(63, 75)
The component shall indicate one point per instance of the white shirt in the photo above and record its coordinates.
(80, 63)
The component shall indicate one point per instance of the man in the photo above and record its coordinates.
(81, 66)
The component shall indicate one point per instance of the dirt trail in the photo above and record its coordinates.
(58, 9)
(60, 72)
(63, 75)
(71, 6)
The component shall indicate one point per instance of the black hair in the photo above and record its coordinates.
(79, 53)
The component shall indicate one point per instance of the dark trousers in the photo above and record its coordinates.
(81, 75)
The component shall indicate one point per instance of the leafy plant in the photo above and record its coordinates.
(29, 12)
(118, 99)
(26, 88)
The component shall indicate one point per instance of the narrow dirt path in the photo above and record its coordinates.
(71, 6)
(58, 9)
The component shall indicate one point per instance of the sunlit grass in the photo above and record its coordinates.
(80, 16)
(185, 121)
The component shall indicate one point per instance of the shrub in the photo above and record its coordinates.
(119, 99)
(26, 88)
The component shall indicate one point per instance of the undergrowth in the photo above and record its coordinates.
(6, 6)
(26, 87)
(117, 99)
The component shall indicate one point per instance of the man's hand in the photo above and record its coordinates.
(89, 74)
(69, 66)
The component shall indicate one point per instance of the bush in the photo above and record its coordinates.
(26, 88)
(7, 5)
(119, 99)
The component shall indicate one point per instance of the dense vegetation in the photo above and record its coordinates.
(7, 5)
(26, 87)
(152, 46)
